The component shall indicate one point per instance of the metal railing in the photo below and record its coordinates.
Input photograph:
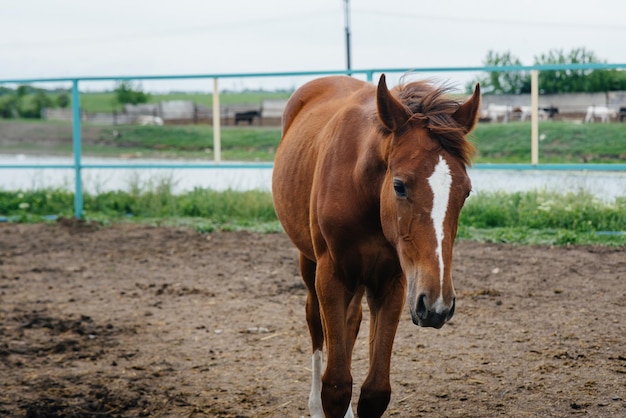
(78, 165)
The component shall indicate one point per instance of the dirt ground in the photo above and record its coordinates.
(127, 321)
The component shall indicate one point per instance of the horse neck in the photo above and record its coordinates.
(371, 164)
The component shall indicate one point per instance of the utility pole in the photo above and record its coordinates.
(347, 25)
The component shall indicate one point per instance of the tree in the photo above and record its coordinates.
(63, 100)
(9, 107)
(576, 81)
(557, 81)
(502, 82)
(40, 102)
(12, 106)
(128, 93)
(28, 102)
(22, 91)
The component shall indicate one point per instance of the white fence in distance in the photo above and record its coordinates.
(176, 111)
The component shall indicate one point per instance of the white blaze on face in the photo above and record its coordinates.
(440, 182)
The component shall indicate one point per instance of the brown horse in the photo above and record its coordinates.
(369, 183)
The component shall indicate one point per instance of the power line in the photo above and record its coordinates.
(206, 28)
(491, 21)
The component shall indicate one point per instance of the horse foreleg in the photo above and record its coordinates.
(385, 315)
(314, 321)
(315, 397)
(334, 300)
(353, 324)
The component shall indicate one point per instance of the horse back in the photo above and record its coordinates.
(326, 94)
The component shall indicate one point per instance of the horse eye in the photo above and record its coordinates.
(399, 188)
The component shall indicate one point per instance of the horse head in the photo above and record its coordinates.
(424, 189)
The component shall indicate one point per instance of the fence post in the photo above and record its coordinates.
(217, 142)
(77, 147)
(534, 118)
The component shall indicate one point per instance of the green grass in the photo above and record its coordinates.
(248, 144)
(204, 209)
(541, 217)
(522, 218)
(563, 142)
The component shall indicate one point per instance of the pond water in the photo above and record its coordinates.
(605, 185)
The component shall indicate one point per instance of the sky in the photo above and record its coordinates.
(78, 38)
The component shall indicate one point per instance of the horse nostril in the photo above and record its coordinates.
(451, 312)
(421, 311)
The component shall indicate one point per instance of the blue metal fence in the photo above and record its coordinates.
(78, 166)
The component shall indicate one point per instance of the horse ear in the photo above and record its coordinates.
(467, 114)
(391, 112)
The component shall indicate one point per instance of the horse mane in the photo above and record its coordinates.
(434, 107)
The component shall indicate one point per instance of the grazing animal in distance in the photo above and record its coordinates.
(496, 112)
(602, 112)
(247, 116)
(368, 184)
(146, 120)
(551, 111)
(526, 113)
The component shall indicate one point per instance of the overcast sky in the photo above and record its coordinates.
(67, 38)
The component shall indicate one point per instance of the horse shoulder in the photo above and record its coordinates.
(323, 126)
(346, 193)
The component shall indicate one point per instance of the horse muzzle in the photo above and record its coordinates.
(435, 316)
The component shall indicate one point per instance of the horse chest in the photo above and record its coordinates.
(365, 262)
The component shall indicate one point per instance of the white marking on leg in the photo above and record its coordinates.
(315, 397)
(440, 182)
